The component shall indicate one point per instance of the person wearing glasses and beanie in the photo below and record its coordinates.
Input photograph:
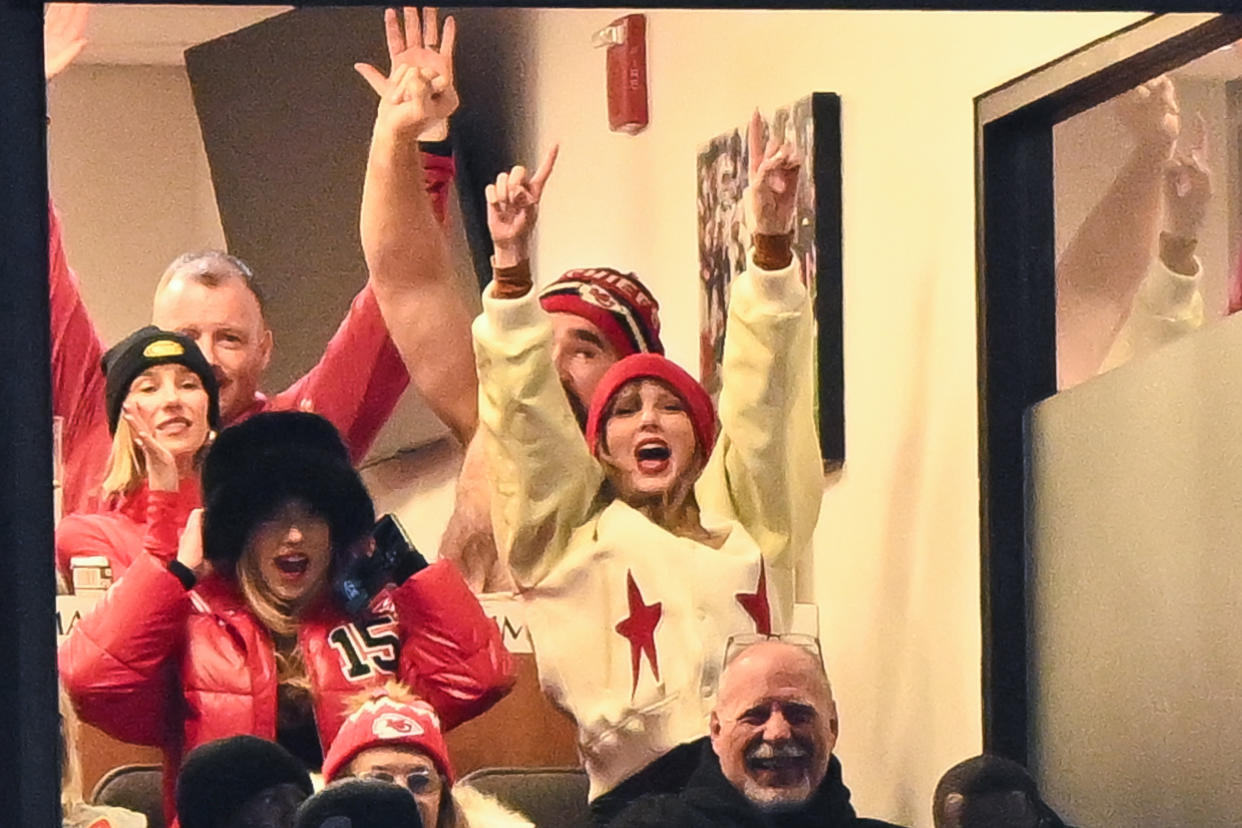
(639, 552)
(395, 737)
(768, 760)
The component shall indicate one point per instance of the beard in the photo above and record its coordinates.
(784, 797)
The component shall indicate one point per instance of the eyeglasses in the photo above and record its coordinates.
(421, 781)
(737, 644)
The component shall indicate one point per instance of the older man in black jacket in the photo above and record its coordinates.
(768, 762)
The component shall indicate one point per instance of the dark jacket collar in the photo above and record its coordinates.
(710, 793)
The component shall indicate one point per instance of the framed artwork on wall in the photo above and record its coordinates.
(813, 124)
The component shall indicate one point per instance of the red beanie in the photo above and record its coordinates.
(386, 722)
(653, 366)
(615, 302)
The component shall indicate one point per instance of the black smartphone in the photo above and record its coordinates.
(364, 576)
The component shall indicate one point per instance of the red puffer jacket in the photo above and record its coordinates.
(155, 664)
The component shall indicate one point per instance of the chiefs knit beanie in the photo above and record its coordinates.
(148, 347)
(617, 303)
(387, 722)
(360, 803)
(257, 466)
(653, 366)
(218, 777)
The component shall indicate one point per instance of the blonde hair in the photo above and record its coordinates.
(70, 762)
(127, 468)
(393, 689)
(127, 465)
(278, 616)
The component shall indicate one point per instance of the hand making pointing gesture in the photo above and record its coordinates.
(513, 206)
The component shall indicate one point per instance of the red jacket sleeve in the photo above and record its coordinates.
(118, 664)
(358, 381)
(451, 653)
(361, 376)
(115, 536)
(77, 378)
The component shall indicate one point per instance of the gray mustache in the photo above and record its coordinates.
(780, 750)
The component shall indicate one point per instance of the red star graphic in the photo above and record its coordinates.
(639, 629)
(756, 603)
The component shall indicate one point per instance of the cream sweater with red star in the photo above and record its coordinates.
(629, 622)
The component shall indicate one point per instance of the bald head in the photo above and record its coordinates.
(775, 724)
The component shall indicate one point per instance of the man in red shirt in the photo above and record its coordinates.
(211, 297)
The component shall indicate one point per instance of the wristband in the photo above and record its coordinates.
(512, 282)
(184, 574)
(773, 252)
(444, 148)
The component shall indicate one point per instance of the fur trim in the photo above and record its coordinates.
(476, 809)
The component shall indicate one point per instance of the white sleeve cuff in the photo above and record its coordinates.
(780, 288)
(513, 314)
(1165, 290)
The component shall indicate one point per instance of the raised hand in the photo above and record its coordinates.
(416, 48)
(1188, 185)
(162, 474)
(773, 184)
(64, 35)
(1151, 113)
(513, 207)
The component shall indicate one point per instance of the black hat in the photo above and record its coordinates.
(987, 774)
(218, 778)
(360, 803)
(144, 348)
(257, 466)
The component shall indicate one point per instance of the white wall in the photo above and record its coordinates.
(896, 571)
(128, 173)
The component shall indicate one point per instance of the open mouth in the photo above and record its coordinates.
(292, 564)
(174, 425)
(778, 764)
(652, 456)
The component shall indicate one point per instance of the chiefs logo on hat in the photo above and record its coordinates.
(396, 726)
(599, 296)
(163, 348)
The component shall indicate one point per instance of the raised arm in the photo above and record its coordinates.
(77, 380)
(1106, 260)
(406, 249)
(543, 479)
(1169, 304)
(765, 470)
(64, 36)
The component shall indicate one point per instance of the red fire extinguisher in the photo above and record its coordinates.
(626, 41)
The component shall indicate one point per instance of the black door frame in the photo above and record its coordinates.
(1016, 345)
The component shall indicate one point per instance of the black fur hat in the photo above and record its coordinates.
(218, 778)
(256, 467)
(360, 803)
